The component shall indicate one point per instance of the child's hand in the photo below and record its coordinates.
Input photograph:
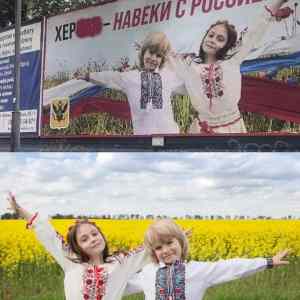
(78, 75)
(188, 233)
(194, 127)
(277, 259)
(16, 208)
(173, 53)
(12, 202)
(137, 46)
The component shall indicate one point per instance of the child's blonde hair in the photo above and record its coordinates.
(155, 42)
(160, 232)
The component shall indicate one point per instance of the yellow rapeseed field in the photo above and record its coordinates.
(210, 240)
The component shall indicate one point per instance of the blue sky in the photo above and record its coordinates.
(154, 183)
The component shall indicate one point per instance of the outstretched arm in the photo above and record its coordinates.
(257, 29)
(112, 79)
(45, 233)
(227, 270)
(134, 285)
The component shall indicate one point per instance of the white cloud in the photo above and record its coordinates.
(105, 157)
(156, 183)
(202, 182)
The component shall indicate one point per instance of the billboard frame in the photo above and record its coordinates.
(216, 143)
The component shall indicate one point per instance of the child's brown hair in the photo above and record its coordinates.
(231, 42)
(73, 244)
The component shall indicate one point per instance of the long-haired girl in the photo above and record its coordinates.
(90, 272)
(148, 88)
(214, 81)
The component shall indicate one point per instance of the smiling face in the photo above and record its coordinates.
(168, 251)
(215, 40)
(166, 242)
(90, 240)
(151, 60)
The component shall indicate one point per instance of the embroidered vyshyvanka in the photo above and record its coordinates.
(149, 97)
(215, 89)
(189, 281)
(87, 282)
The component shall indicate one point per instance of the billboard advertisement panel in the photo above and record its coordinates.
(172, 67)
(31, 61)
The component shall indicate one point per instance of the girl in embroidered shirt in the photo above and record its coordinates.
(214, 82)
(149, 89)
(170, 277)
(90, 273)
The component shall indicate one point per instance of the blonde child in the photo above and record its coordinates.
(171, 277)
(90, 272)
(148, 88)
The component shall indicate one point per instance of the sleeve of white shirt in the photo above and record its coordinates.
(175, 81)
(134, 285)
(184, 70)
(254, 35)
(135, 261)
(179, 66)
(53, 243)
(111, 79)
(179, 88)
(214, 273)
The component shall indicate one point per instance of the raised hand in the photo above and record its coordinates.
(16, 208)
(85, 76)
(188, 233)
(13, 203)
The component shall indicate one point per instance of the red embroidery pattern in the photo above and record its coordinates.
(212, 82)
(94, 282)
(205, 128)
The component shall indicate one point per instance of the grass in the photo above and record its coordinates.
(105, 124)
(93, 124)
(31, 282)
(98, 123)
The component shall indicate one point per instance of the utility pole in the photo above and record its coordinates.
(16, 115)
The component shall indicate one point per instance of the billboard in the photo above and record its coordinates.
(31, 61)
(135, 68)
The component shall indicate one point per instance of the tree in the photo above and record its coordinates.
(60, 216)
(41, 8)
(9, 216)
(35, 9)
(7, 12)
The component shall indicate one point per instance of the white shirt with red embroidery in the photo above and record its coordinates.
(193, 278)
(151, 119)
(86, 282)
(215, 89)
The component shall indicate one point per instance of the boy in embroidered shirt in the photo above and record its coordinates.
(170, 277)
(90, 273)
(214, 81)
(149, 89)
